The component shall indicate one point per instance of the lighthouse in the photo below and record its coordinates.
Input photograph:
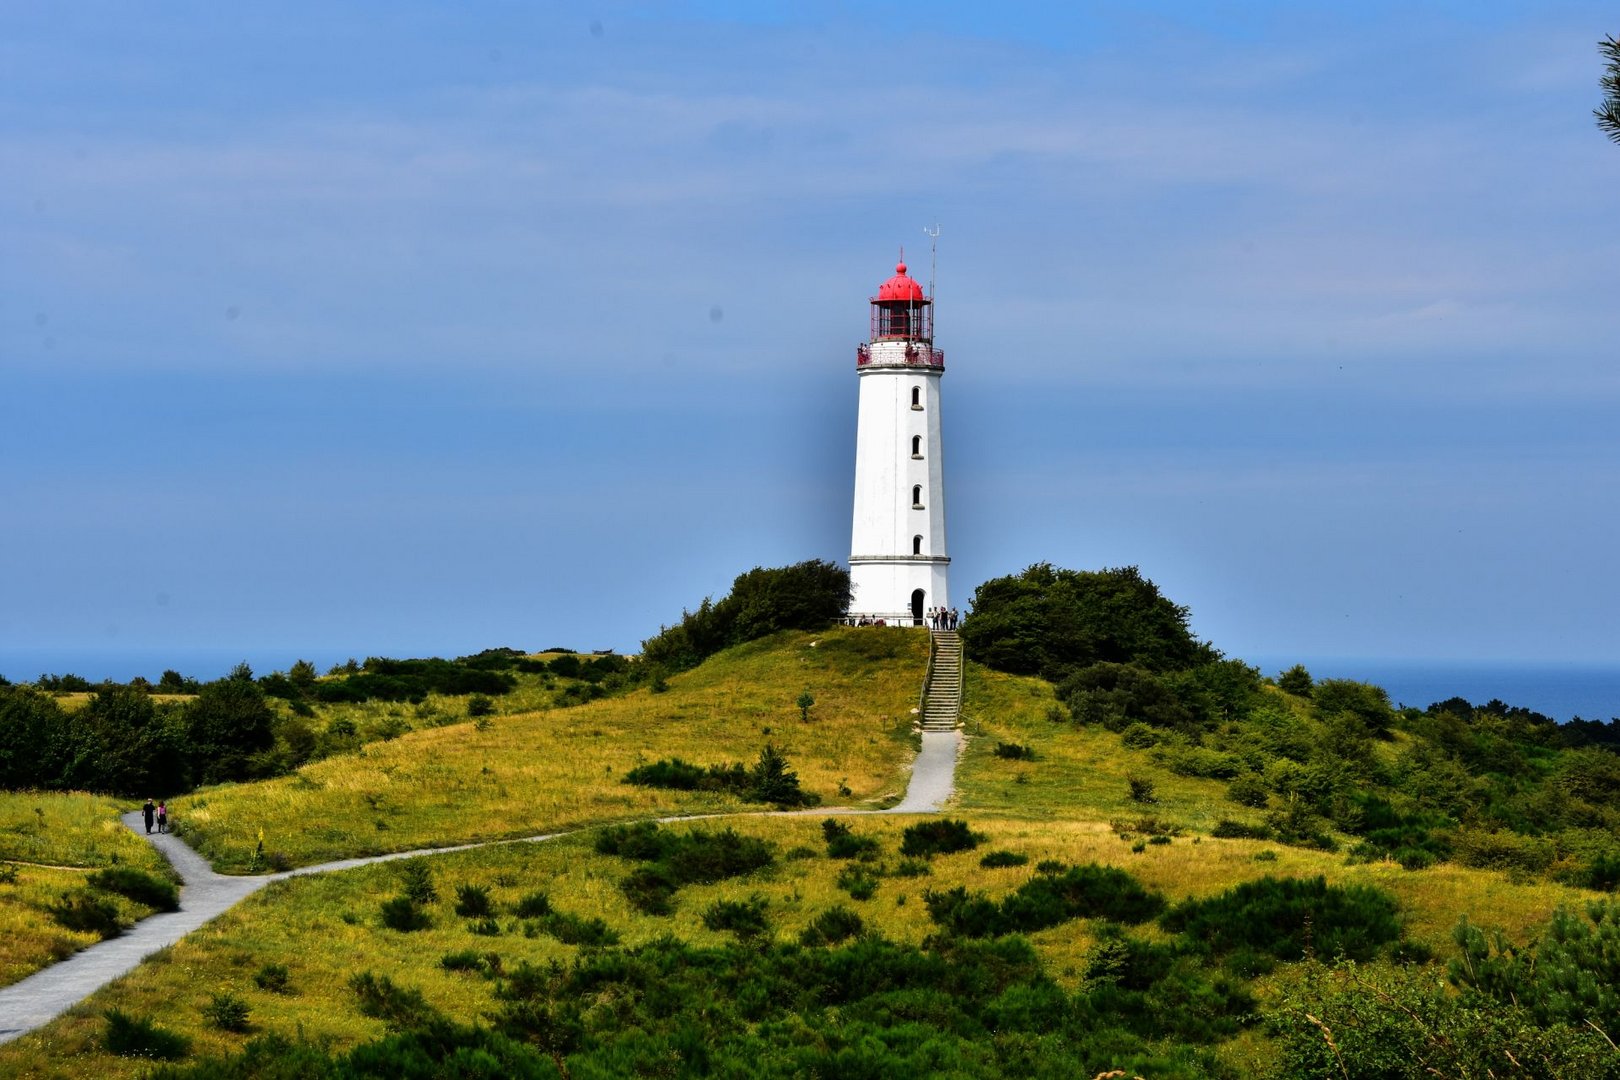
(897, 560)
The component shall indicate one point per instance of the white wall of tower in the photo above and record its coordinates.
(899, 453)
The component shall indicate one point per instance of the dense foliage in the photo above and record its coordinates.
(1547, 1010)
(672, 859)
(805, 596)
(770, 780)
(1052, 622)
(868, 1008)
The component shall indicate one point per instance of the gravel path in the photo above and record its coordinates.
(204, 894)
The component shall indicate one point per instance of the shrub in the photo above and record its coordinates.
(745, 918)
(1291, 918)
(138, 1037)
(1227, 829)
(533, 906)
(998, 859)
(569, 929)
(466, 960)
(480, 705)
(857, 882)
(1141, 789)
(400, 1007)
(1248, 790)
(832, 926)
(677, 859)
(771, 781)
(274, 978)
(1014, 752)
(942, 837)
(86, 913)
(488, 926)
(137, 885)
(1569, 975)
(472, 902)
(227, 1012)
(910, 868)
(844, 844)
(1089, 891)
(418, 882)
(405, 915)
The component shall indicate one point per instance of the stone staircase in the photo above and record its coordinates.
(942, 689)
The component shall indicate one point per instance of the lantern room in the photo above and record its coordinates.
(900, 311)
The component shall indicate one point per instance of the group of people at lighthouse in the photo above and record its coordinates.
(942, 618)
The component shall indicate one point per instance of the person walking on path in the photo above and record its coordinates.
(163, 817)
(146, 813)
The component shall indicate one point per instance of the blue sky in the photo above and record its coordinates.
(415, 329)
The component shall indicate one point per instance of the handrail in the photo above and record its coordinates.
(928, 679)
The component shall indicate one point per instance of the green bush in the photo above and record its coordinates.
(832, 926)
(941, 837)
(87, 913)
(465, 960)
(480, 705)
(137, 885)
(842, 843)
(745, 918)
(274, 978)
(139, 1037)
(857, 882)
(472, 902)
(1249, 790)
(1081, 892)
(1570, 974)
(1227, 829)
(399, 1007)
(227, 1012)
(1141, 789)
(533, 906)
(1014, 751)
(1291, 918)
(998, 859)
(418, 882)
(404, 914)
(569, 929)
(677, 859)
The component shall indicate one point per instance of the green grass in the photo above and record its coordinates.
(563, 768)
(1078, 772)
(54, 841)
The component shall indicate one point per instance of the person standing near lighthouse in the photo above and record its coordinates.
(897, 560)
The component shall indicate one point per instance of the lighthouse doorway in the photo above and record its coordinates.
(916, 607)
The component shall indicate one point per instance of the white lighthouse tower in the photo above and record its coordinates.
(897, 560)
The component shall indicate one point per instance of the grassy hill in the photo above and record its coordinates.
(560, 768)
(1093, 993)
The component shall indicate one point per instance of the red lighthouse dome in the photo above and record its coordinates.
(900, 287)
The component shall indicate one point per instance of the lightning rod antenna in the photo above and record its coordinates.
(932, 232)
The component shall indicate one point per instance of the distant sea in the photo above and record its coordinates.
(1561, 691)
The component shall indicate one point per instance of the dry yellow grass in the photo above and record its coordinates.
(563, 768)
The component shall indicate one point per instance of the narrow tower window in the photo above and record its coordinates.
(916, 497)
(916, 544)
(916, 397)
(916, 446)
